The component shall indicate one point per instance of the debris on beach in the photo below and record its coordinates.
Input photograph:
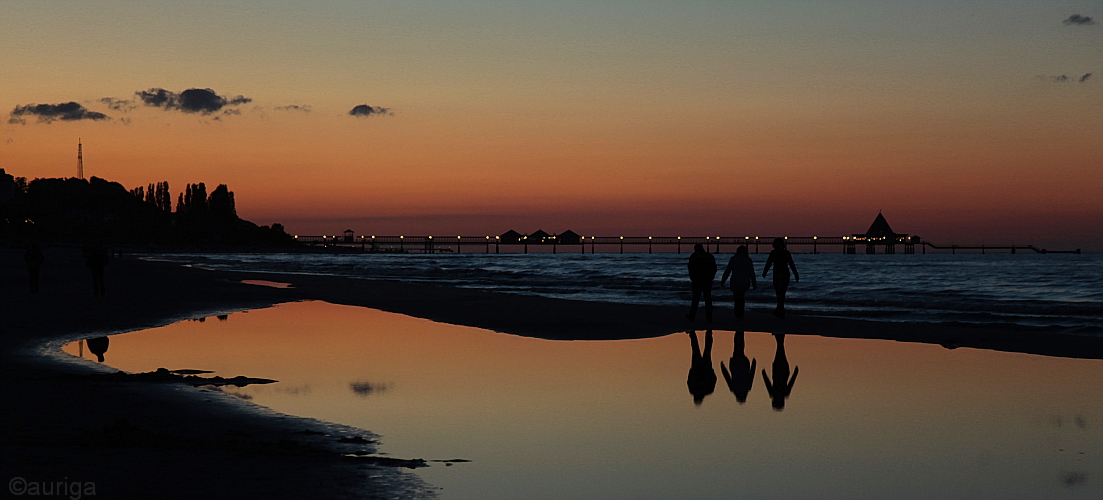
(163, 375)
(355, 440)
(387, 461)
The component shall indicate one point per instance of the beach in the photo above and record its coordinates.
(140, 439)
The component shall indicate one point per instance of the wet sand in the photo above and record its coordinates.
(142, 440)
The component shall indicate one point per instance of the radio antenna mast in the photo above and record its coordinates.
(80, 160)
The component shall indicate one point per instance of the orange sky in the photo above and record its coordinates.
(618, 117)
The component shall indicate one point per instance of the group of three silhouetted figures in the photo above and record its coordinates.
(739, 374)
(702, 270)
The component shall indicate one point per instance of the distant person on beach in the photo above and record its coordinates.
(98, 346)
(34, 258)
(96, 258)
(782, 261)
(702, 378)
(741, 270)
(702, 270)
(782, 385)
(740, 378)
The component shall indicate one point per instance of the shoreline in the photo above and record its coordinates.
(137, 440)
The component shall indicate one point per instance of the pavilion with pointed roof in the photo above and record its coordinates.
(879, 233)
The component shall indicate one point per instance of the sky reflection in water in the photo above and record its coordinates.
(617, 419)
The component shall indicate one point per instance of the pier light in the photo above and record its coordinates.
(400, 237)
(786, 237)
(706, 238)
(814, 237)
(679, 237)
(622, 237)
(488, 237)
(296, 236)
(430, 236)
(458, 237)
(648, 237)
(373, 236)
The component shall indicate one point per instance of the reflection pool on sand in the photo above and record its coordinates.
(616, 419)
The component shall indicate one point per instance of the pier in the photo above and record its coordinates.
(879, 236)
(619, 244)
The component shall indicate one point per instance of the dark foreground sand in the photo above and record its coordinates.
(148, 440)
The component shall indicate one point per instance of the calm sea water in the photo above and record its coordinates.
(1063, 292)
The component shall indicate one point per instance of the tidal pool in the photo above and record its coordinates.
(617, 419)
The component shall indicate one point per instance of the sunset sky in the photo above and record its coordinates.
(966, 121)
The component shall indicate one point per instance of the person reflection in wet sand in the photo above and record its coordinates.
(34, 258)
(782, 385)
(96, 257)
(782, 261)
(98, 346)
(702, 378)
(741, 377)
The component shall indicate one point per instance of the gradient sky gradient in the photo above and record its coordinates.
(606, 117)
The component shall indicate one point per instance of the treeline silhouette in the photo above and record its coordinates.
(99, 211)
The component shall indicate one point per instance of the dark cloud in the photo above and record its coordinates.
(66, 111)
(123, 105)
(1065, 78)
(294, 107)
(366, 388)
(364, 110)
(202, 101)
(158, 97)
(1078, 20)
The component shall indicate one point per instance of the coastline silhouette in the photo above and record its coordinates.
(741, 270)
(782, 261)
(702, 270)
(702, 378)
(740, 375)
(782, 385)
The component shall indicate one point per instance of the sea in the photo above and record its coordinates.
(1052, 292)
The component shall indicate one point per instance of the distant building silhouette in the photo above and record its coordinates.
(538, 237)
(569, 237)
(510, 236)
(879, 233)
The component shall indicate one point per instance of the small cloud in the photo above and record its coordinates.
(231, 112)
(10, 140)
(294, 107)
(364, 110)
(1078, 20)
(66, 111)
(157, 97)
(1085, 77)
(123, 105)
(202, 101)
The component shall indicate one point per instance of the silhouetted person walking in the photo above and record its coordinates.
(782, 385)
(34, 258)
(782, 261)
(96, 257)
(98, 346)
(741, 270)
(702, 378)
(702, 270)
(741, 377)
